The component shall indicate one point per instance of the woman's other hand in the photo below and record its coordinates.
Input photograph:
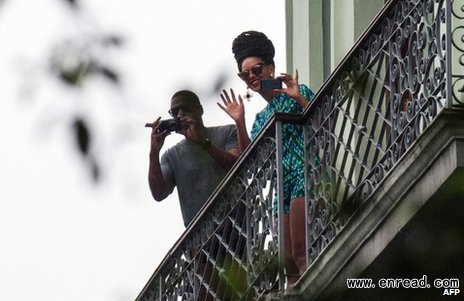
(293, 88)
(233, 107)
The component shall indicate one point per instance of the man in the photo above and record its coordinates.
(196, 164)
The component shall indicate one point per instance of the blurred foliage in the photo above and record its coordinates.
(83, 141)
(78, 59)
(74, 61)
(82, 135)
(219, 83)
(72, 3)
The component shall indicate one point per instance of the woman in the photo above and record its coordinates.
(254, 54)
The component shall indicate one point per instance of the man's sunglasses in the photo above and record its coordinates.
(186, 108)
(256, 69)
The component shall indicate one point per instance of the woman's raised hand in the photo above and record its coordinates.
(235, 109)
(292, 88)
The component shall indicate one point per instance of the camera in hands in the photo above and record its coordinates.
(169, 125)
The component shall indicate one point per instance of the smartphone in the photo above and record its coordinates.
(271, 84)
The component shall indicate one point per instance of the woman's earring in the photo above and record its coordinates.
(248, 95)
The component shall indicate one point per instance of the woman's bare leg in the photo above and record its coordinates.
(298, 232)
(290, 266)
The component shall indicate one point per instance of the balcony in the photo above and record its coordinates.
(384, 157)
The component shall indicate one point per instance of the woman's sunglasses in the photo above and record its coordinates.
(256, 69)
(186, 108)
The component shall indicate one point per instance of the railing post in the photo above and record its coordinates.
(160, 289)
(280, 198)
(308, 241)
(449, 51)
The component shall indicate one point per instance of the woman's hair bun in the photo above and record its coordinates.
(253, 43)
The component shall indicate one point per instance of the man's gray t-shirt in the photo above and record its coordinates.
(194, 172)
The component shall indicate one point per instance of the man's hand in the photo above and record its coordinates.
(157, 138)
(190, 129)
(160, 187)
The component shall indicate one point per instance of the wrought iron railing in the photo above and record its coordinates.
(389, 88)
(404, 70)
